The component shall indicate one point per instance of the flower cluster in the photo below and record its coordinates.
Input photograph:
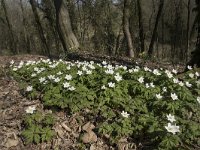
(115, 92)
(170, 127)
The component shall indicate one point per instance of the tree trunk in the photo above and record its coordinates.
(150, 51)
(188, 30)
(141, 28)
(195, 59)
(67, 37)
(197, 53)
(50, 14)
(25, 29)
(12, 42)
(40, 29)
(126, 28)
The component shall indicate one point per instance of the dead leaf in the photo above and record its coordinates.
(88, 127)
(11, 142)
(93, 147)
(59, 131)
(65, 126)
(89, 137)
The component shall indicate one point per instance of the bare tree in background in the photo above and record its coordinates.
(25, 29)
(12, 41)
(67, 37)
(40, 28)
(126, 29)
(195, 59)
(188, 30)
(160, 8)
(141, 28)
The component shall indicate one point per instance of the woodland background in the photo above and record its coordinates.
(159, 29)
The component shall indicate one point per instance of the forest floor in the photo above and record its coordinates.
(12, 110)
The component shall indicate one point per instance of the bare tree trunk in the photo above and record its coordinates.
(50, 14)
(12, 42)
(197, 53)
(188, 28)
(141, 28)
(40, 29)
(150, 51)
(67, 37)
(126, 28)
(25, 29)
(195, 59)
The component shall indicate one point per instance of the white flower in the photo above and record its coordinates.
(109, 71)
(135, 69)
(174, 96)
(110, 67)
(84, 68)
(172, 128)
(36, 69)
(72, 88)
(164, 89)
(33, 75)
(30, 109)
(29, 88)
(158, 96)
(174, 71)
(124, 67)
(171, 118)
(141, 79)
(152, 85)
(169, 74)
(12, 62)
(156, 72)
(175, 80)
(198, 100)
(104, 63)
(80, 73)
(66, 85)
(188, 84)
(191, 75)
(68, 77)
(146, 69)
(53, 66)
(39, 71)
(88, 72)
(111, 84)
(118, 77)
(197, 74)
(15, 69)
(147, 85)
(125, 114)
(68, 67)
(189, 67)
(130, 70)
(19, 67)
(21, 63)
(181, 83)
(57, 80)
(59, 73)
(103, 87)
(42, 79)
(42, 69)
(51, 77)
(91, 66)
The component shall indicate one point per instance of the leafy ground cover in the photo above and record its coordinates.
(149, 108)
(85, 105)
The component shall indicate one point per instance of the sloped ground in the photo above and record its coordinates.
(12, 109)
